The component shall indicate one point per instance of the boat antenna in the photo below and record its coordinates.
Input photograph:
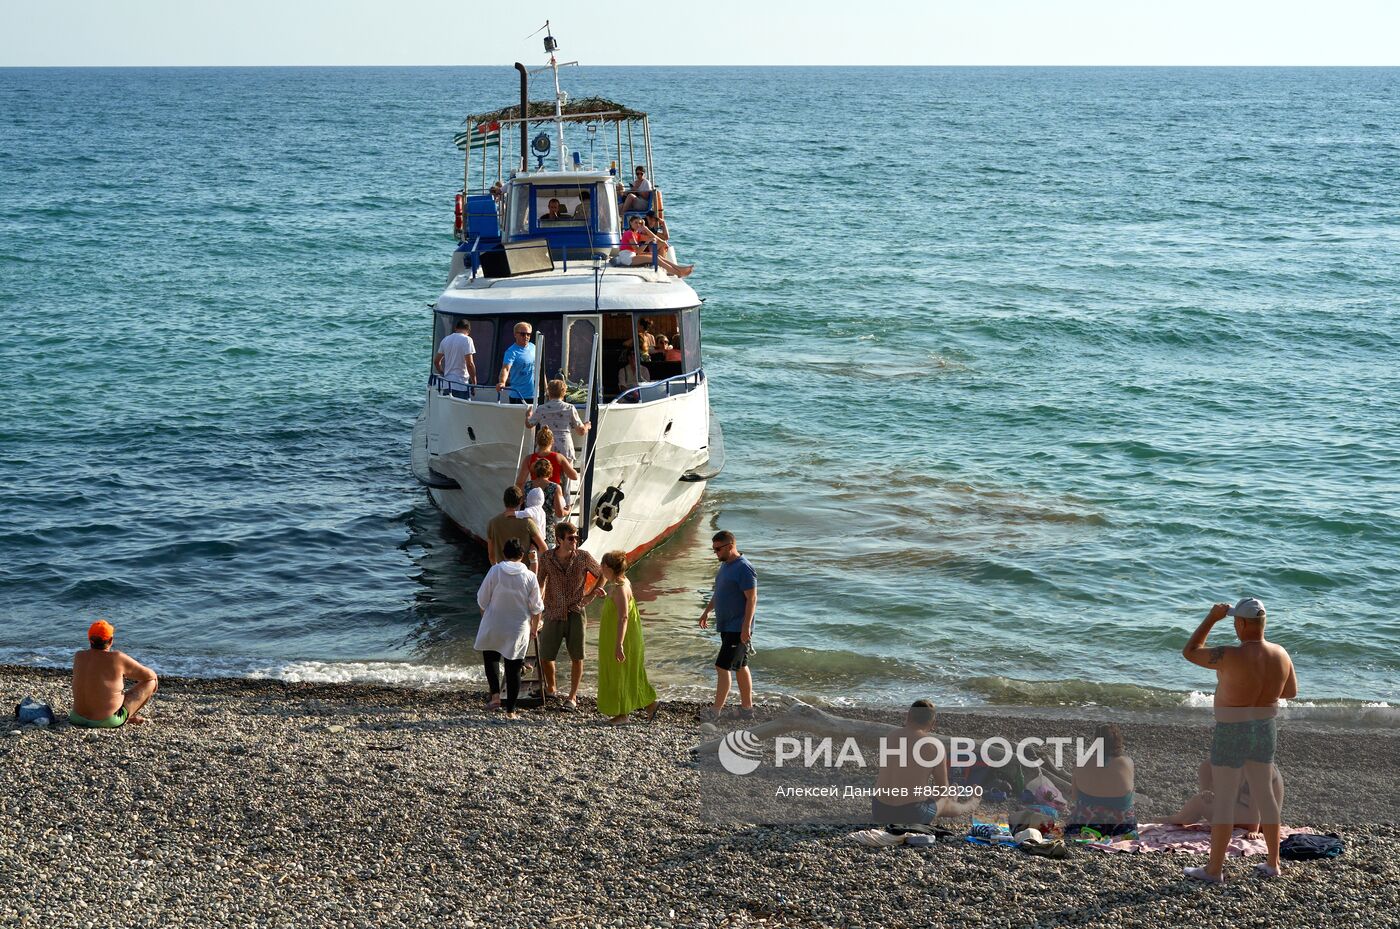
(551, 45)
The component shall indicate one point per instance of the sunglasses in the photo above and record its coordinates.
(525, 334)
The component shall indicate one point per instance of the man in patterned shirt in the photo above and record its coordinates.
(564, 578)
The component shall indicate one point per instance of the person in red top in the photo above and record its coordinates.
(635, 250)
(560, 466)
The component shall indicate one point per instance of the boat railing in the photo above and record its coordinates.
(478, 393)
(661, 390)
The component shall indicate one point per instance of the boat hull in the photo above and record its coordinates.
(644, 449)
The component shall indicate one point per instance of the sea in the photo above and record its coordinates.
(1019, 369)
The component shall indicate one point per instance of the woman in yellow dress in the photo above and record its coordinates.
(622, 674)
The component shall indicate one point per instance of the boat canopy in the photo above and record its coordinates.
(617, 289)
(599, 108)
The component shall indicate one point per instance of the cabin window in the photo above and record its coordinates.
(519, 211)
(573, 206)
(659, 339)
(483, 336)
(617, 350)
(690, 340)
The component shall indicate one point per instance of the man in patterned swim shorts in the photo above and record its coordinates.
(1251, 677)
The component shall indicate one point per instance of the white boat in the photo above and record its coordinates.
(644, 463)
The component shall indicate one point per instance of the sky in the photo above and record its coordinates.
(707, 32)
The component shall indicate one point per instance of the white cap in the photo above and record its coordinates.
(1248, 608)
(1029, 835)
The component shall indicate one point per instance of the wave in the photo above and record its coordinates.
(293, 671)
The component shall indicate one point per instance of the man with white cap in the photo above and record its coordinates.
(1250, 679)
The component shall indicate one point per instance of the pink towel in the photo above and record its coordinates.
(1166, 837)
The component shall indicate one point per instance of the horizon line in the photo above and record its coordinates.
(885, 66)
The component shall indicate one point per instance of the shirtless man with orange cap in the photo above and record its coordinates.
(100, 698)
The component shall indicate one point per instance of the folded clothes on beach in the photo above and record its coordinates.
(1168, 837)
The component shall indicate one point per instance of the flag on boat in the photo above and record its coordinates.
(478, 137)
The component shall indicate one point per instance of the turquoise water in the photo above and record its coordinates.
(1020, 370)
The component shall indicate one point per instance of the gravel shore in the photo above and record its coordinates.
(252, 803)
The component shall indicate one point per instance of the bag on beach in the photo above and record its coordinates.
(1303, 846)
(30, 711)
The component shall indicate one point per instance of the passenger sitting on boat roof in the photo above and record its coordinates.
(657, 227)
(640, 197)
(556, 212)
(635, 250)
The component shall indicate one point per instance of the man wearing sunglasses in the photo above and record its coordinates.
(518, 367)
(733, 602)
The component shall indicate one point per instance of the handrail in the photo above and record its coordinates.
(698, 374)
(451, 388)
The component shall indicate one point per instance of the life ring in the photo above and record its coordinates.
(459, 209)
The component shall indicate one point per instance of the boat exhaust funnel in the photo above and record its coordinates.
(524, 110)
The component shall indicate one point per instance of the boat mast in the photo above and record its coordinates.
(559, 96)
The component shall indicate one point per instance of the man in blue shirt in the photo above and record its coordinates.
(519, 366)
(733, 603)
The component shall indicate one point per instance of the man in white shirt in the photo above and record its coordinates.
(455, 359)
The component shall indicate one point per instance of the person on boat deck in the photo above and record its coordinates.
(560, 416)
(510, 603)
(556, 212)
(1251, 678)
(506, 526)
(1196, 812)
(560, 467)
(101, 699)
(456, 356)
(553, 494)
(518, 367)
(585, 207)
(640, 197)
(632, 375)
(564, 576)
(734, 601)
(635, 251)
(657, 227)
(906, 767)
(1103, 792)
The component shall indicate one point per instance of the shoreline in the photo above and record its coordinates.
(269, 803)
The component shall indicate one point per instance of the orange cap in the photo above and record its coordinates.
(101, 630)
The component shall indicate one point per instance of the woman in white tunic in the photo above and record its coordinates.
(510, 604)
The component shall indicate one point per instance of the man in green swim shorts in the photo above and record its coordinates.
(1251, 678)
(100, 697)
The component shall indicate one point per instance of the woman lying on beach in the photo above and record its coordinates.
(1103, 794)
(622, 673)
(510, 603)
(1196, 812)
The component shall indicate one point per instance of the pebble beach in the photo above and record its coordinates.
(258, 803)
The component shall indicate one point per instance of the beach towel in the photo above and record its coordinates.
(1167, 837)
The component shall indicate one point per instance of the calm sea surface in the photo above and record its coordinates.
(1019, 370)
